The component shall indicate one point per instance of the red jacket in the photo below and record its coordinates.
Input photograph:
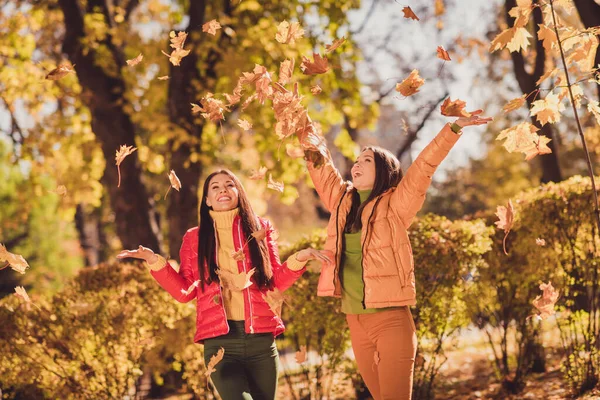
(211, 320)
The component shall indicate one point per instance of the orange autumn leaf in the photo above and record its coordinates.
(301, 355)
(454, 108)
(443, 54)
(211, 109)
(258, 174)
(547, 110)
(523, 138)
(336, 43)
(514, 104)
(191, 288)
(514, 39)
(178, 52)
(123, 152)
(275, 299)
(22, 293)
(135, 61)
(163, 78)
(521, 12)
(212, 363)
(277, 186)
(315, 89)
(506, 217)
(244, 124)
(288, 33)
(547, 36)
(286, 70)
(60, 72)
(175, 182)
(238, 255)
(320, 65)
(260, 234)
(411, 84)
(547, 301)
(234, 280)
(60, 190)
(409, 13)
(540, 242)
(211, 27)
(16, 261)
(439, 8)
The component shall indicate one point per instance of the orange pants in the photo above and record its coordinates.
(385, 345)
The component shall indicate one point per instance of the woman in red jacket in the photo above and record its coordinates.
(230, 265)
(373, 269)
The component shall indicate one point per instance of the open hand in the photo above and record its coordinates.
(474, 119)
(142, 253)
(325, 256)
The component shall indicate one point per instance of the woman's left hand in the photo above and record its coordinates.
(474, 119)
(325, 256)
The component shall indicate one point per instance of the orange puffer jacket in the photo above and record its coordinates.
(388, 269)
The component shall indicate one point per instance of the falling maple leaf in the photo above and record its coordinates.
(260, 234)
(546, 302)
(238, 255)
(409, 14)
(506, 216)
(214, 360)
(540, 242)
(301, 355)
(548, 109)
(163, 78)
(439, 8)
(293, 151)
(271, 184)
(336, 43)
(258, 174)
(236, 281)
(177, 42)
(135, 61)
(320, 65)
(211, 109)
(275, 299)
(411, 84)
(175, 182)
(523, 138)
(191, 288)
(15, 261)
(211, 27)
(443, 54)
(454, 108)
(245, 125)
(286, 69)
(123, 152)
(22, 293)
(60, 72)
(288, 33)
(514, 104)
(315, 89)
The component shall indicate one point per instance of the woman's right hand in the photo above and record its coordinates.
(142, 253)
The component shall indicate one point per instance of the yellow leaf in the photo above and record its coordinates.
(514, 104)
(548, 36)
(288, 33)
(286, 70)
(135, 61)
(411, 84)
(520, 40)
(211, 27)
(547, 110)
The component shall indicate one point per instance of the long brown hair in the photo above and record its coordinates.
(259, 253)
(387, 174)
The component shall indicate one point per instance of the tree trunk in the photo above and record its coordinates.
(527, 82)
(589, 12)
(103, 94)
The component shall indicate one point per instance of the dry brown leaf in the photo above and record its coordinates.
(211, 109)
(320, 65)
(190, 289)
(211, 27)
(163, 78)
(411, 84)
(15, 261)
(286, 70)
(178, 52)
(60, 72)
(547, 301)
(244, 124)
(238, 255)
(260, 234)
(409, 13)
(506, 217)
(277, 186)
(123, 152)
(514, 104)
(214, 360)
(22, 293)
(135, 61)
(454, 108)
(275, 299)
(540, 242)
(336, 43)
(301, 355)
(258, 174)
(315, 89)
(175, 182)
(443, 54)
(288, 33)
(236, 281)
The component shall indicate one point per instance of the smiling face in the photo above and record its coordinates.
(363, 171)
(222, 194)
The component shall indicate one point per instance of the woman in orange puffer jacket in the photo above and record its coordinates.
(373, 272)
(230, 265)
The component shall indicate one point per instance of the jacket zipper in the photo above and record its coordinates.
(362, 254)
(247, 290)
(337, 239)
(217, 261)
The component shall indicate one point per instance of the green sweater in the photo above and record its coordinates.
(352, 271)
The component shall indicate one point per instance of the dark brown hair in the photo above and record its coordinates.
(387, 174)
(259, 253)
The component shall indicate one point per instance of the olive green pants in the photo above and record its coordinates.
(250, 365)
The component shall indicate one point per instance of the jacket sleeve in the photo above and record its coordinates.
(284, 275)
(177, 283)
(409, 196)
(327, 179)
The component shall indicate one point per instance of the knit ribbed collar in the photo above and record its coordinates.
(224, 219)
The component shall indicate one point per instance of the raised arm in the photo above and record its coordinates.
(327, 179)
